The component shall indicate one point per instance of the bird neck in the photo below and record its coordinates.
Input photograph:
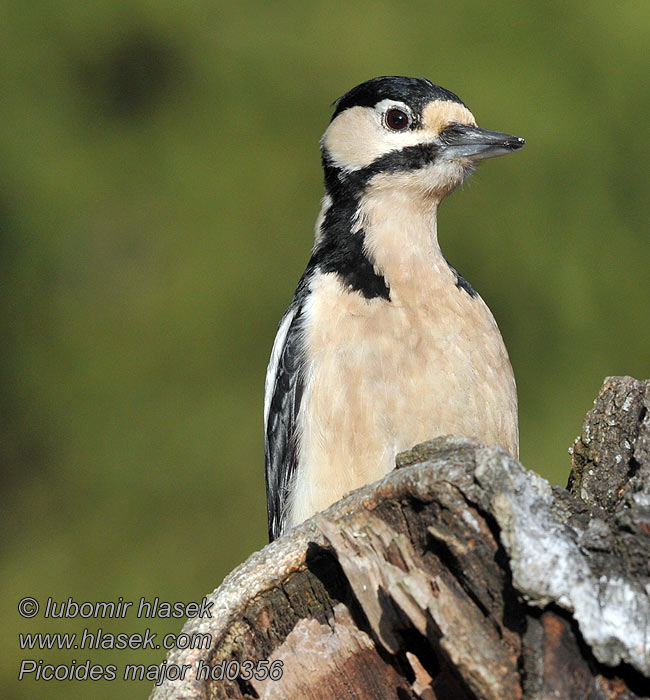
(401, 234)
(382, 241)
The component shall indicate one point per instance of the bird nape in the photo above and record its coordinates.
(384, 344)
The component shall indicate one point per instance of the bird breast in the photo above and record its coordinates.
(383, 375)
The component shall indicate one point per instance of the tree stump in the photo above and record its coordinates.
(460, 575)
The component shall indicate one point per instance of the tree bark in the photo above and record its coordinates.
(459, 575)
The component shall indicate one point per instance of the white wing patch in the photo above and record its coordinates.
(272, 370)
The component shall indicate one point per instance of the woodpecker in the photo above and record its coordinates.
(384, 344)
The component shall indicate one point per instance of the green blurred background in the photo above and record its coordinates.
(159, 181)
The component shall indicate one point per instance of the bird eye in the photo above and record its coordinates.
(397, 119)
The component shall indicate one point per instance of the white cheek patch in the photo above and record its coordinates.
(351, 140)
(357, 137)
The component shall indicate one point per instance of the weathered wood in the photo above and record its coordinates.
(459, 575)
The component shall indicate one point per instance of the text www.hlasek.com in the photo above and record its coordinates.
(106, 640)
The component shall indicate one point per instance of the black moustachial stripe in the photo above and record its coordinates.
(345, 255)
(339, 250)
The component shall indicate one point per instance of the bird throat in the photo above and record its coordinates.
(379, 236)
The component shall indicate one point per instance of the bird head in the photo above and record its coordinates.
(406, 133)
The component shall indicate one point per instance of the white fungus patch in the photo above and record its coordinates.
(549, 567)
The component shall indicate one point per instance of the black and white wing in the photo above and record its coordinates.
(283, 393)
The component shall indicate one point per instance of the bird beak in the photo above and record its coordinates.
(465, 141)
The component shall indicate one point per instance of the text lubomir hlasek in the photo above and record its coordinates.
(155, 608)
